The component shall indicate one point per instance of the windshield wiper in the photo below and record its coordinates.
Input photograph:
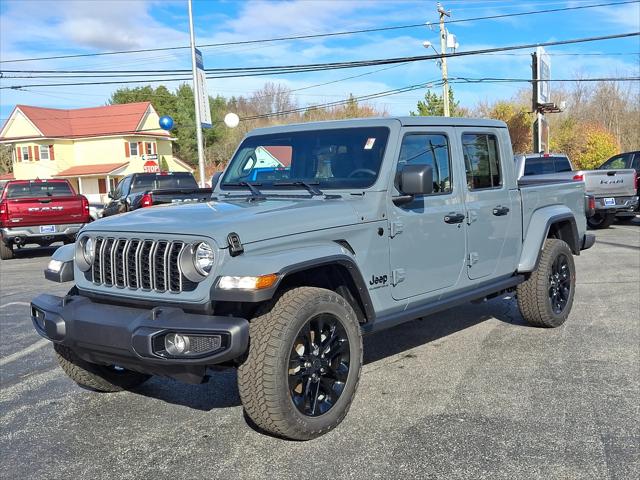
(251, 186)
(310, 186)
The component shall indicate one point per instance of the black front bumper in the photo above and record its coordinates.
(125, 336)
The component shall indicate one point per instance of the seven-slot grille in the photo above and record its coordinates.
(139, 264)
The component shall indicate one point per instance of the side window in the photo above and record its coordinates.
(615, 163)
(428, 149)
(481, 160)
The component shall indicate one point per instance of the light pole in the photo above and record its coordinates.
(196, 99)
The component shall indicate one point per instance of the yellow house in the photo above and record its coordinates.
(92, 147)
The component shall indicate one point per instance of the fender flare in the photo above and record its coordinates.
(542, 221)
(339, 259)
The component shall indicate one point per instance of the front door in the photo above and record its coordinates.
(427, 239)
(489, 204)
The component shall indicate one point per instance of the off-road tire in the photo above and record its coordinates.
(96, 377)
(6, 251)
(533, 294)
(600, 221)
(263, 377)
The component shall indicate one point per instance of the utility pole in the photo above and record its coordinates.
(196, 99)
(443, 59)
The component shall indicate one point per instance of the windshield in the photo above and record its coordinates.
(339, 159)
(162, 181)
(39, 189)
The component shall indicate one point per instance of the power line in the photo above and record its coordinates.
(322, 35)
(304, 68)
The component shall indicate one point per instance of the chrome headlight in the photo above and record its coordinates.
(203, 258)
(85, 253)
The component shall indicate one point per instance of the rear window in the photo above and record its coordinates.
(142, 183)
(545, 165)
(39, 189)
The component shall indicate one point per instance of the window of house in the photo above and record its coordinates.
(433, 150)
(147, 148)
(481, 160)
(133, 148)
(44, 152)
(25, 154)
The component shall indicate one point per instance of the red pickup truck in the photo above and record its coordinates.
(39, 212)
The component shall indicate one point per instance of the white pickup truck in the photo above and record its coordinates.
(614, 190)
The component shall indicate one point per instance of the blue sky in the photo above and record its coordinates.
(34, 28)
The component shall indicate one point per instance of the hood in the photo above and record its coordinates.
(253, 221)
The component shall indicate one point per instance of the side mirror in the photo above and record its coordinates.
(110, 195)
(215, 178)
(414, 180)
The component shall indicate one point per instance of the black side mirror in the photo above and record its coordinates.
(215, 178)
(110, 195)
(414, 180)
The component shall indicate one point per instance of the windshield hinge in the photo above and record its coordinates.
(235, 245)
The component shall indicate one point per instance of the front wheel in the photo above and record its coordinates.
(303, 366)
(545, 299)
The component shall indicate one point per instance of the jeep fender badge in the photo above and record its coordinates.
(235, 245)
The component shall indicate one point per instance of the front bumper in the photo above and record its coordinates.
(126, 336)
(33, 234)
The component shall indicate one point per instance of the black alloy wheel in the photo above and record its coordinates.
(559, 284)
(318, 365)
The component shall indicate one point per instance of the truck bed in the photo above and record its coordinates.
(537, 195)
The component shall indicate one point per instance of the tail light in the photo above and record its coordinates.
(635, 179)
(85, 206)
(4, 213)
(578, 178)
(146, 200)
(592, 203)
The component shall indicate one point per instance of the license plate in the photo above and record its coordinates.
(609, 202)
(48, 229)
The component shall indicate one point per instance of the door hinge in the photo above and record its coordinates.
(472, 216)
(473, 258)
(397, 276)
(395, 228)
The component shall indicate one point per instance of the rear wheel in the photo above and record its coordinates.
(304, 364)
(6, 251)
(601, 220)
(545, 299)
(96, 377)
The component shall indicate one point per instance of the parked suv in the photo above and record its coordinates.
(368, 224)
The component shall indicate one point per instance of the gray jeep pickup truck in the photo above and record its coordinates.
(316, 235)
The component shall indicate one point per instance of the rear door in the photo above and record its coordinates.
(492, 210)
(427, 241)
(43, 203)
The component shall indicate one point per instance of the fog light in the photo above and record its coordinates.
(176, 344)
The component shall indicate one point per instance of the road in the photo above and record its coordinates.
(470, 393)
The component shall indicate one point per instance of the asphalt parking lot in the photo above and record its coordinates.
(471, 393)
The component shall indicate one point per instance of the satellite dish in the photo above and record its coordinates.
(231, 120)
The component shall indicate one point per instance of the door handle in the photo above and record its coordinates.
(454, 218)
(499, 211)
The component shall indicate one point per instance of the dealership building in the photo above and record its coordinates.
(91, 147)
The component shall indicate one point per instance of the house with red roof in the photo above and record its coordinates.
(91, 147)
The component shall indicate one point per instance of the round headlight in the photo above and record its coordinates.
(88, 250)
(203, 258)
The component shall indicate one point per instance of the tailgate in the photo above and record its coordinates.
(45, 211)
(615, 183)
(180, 195)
